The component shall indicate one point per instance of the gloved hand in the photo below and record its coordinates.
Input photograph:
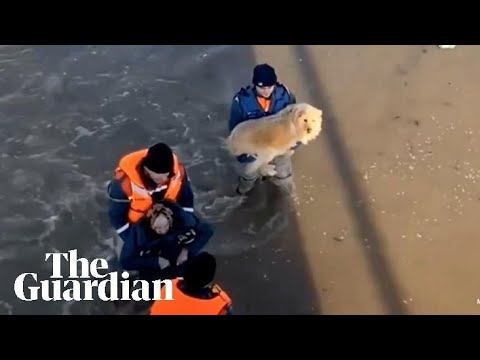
(187, 237)
(158, 196)
(182, 257)
(164, 263)
(296, 145)
(244, 158)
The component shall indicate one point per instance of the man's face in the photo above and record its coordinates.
(161, 225)
(156, 177)
(265, 91)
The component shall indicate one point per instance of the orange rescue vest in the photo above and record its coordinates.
(183, 304)
(133, 186)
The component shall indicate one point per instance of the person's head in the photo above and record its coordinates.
(158, 164)
(264, 79)
(161, 218)
(199, 271)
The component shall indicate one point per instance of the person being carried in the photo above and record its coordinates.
(195, 293)
(266, 97)
(168, 236)
(142, 178)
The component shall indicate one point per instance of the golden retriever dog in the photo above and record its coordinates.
(275, 135)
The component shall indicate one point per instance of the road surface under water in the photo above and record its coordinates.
(384, 220)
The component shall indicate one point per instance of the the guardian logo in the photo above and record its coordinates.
(87, 286)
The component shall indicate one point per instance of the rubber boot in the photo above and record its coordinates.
(245, 185)
(286, 184)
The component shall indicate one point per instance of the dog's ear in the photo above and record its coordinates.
(299, 112)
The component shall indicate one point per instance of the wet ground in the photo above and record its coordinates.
(384, 219)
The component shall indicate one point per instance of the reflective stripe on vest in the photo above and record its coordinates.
(183, 304)
(253, 110)
(133, 186)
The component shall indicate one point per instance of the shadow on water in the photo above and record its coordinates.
(71, 115)
(365, 224)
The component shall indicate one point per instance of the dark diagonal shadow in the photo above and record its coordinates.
(365, 225)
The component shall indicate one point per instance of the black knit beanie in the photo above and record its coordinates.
(159, 159)
(264, 75)
(199, 271)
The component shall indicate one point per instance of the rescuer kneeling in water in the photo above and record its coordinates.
(194, 293)
(143, 178)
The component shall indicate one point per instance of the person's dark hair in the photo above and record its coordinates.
(159, 159)
(199, 271)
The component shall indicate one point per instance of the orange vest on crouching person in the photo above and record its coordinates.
(132, 184)
(183, 304)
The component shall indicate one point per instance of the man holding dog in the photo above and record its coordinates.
(266, 97)
(143, 178)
